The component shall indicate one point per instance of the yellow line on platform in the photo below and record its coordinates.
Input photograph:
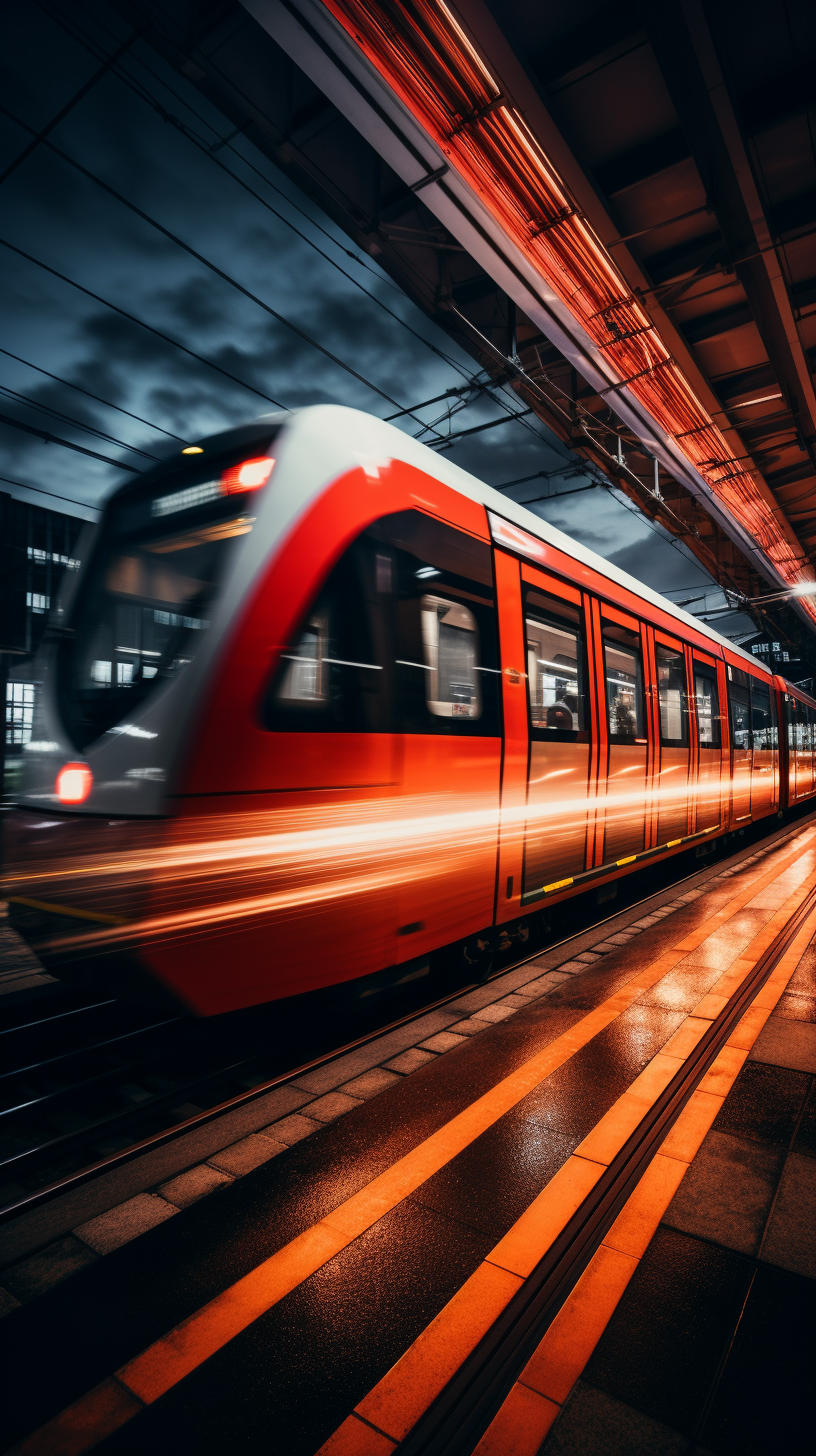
(402, 1397)
(183, 1349)
(536, 1399)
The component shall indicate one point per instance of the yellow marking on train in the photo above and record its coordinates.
(559, 885)
(628, 860)
(67, 910)
(672, 842)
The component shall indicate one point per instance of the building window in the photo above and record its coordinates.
(19, 713)
(37, 602)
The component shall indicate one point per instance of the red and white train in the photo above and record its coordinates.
(318, 703)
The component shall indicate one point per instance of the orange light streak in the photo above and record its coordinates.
(421, 50)
(353, 850)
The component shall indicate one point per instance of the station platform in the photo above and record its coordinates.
(569, 1211)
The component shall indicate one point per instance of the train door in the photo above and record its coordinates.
(559, 766)
(799, 754)
(739, 704)
(709, 742)
(804, 775)
(626, 768)
(436, 586)
(763, 756)
(672, 779)
(789, 711)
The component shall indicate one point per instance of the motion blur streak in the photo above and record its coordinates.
(251, 865)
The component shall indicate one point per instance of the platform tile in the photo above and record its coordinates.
(108, 1231)
(371, 1083)
(186, 1188)
(249, 1153)
(41, 1271)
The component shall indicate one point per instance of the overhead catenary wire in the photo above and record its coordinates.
(116, 308)
(48, 409)
(40, 136)
(209, 151)
(68, 444)
(70, 384)
(72, 500)
(140, 90)
(146, 96)
(209, 264)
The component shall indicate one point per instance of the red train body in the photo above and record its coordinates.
(366, 708)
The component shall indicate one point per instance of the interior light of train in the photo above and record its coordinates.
(184, 500)
(426, 571)
(193, 450)
(74, 782)
(565, 668)
(249, 475)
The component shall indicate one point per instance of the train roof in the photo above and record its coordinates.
(381, 440)
(360, 438)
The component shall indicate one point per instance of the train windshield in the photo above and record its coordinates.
(145, 603)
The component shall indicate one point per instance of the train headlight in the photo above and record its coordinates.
(249, 475)
(74, 782)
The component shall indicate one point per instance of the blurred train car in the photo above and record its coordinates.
(318, 703)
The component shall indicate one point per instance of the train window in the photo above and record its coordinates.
(671, 688)
(144, 606)
(333, 675)
(793, 722)
(402, 637)
(739, 698)
(624, 684)
(306, 679)
(555, 666)
(450, 641)
(761, 720)
(708, 705)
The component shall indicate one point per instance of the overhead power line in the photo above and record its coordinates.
(68, 444)
(21, 485)
(208, 150)
(207, 263)
(40, 136)
(107, 402)
(123, 313)
(47, 409)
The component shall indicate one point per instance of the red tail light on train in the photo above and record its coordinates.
(74, 783)
(249, 475)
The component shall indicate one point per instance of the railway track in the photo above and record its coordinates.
(94, 1083)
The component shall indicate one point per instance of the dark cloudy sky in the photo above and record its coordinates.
(280, 248)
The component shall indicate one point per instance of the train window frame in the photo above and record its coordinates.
(355, 696)
(615, 637)
(758, 686)
(448, 707)
(676, 652)
(396, 562)
(434, 558)
(738, 682)
(558, 615)
(709, 673)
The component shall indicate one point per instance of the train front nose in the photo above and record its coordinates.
(75, 886)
